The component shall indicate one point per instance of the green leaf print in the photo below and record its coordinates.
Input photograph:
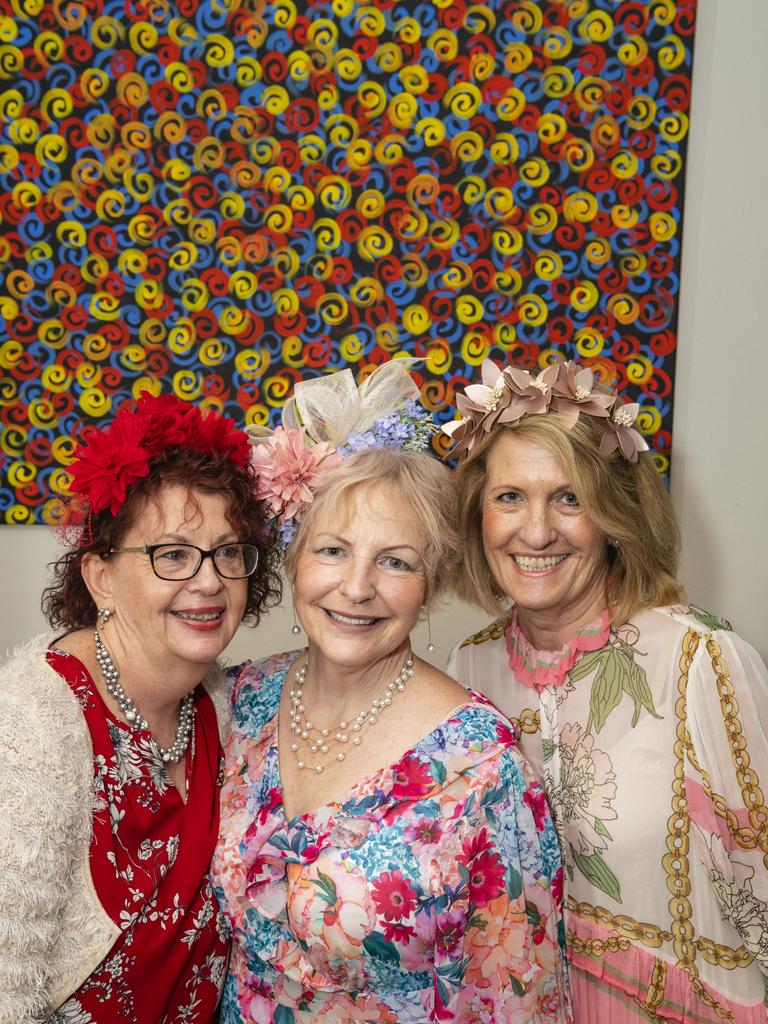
(607, 689)
(596, 871)
(517, 985)
(513, 881)
(283, 1015)
(636, 685)
(602, 830)
(327, 888)
(585, 665)
(711, 621)
(547, 750)
(378, 946)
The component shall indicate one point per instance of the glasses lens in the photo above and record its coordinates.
(176, 561)
(236, 560)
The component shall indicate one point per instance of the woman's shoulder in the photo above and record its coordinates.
(257, 686)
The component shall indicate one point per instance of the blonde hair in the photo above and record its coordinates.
(423, 486)
(626, 501)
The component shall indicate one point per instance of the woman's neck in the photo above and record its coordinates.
(334, 691)
(552, 629)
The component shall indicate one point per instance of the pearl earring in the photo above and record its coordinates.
(430, 645)
(104, 615)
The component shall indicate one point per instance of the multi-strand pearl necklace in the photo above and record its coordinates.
(321, 740)
(177, 750)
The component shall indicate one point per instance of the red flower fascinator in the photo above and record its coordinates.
(118, 456)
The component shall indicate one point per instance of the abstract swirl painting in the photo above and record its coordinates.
(217, 198)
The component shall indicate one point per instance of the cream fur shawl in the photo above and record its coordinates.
(53, 930)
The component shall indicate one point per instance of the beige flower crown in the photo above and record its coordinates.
(507, 395)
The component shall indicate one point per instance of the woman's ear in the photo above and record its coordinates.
(97, 576)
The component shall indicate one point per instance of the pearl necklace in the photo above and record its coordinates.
(169, 755)
(303, 729)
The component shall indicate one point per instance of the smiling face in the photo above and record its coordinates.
(169, 624)
(542, 548)
(360, 581)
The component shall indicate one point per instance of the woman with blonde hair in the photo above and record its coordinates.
(644, 716)
(384, 853)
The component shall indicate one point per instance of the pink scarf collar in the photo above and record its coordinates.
(538, 669)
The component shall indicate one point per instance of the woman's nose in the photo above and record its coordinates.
(206, 578)
(357, 582)
(537, 528)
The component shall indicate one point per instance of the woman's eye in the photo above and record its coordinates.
(391, 562)
(332, 552)
(569, 498)
(175, 555)
(509, 497)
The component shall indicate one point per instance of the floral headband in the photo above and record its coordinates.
(507, 395)
(326, 420)
(115, 458)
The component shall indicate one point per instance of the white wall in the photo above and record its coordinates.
(719, 478)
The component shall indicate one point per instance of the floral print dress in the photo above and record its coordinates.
(149, 861)
(430, 894)
(651, 741)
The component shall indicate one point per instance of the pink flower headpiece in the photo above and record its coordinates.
(116, 457)
(507, 395)
(324, 421)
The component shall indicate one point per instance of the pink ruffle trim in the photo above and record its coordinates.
(538, 669)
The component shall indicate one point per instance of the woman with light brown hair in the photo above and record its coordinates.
(644, 716)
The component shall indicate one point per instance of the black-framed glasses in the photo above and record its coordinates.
(232, 561)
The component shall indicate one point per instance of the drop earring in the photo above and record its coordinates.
(430, 645)
(103, 616)
(295, 628)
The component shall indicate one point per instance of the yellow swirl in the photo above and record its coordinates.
(233, 321)
(414, 270)
(663, 226)
(402, 110)
(508, 281)
(366, 291)
(334, 192)
(633, 263)
(475, 348)
(542, 218)
(469, 309)
(624, 307)
(347, 65)
(63, 449)
(649, 418)
(202, 230)
(359, 154)
(641, 111)
(640, 371)
(57, 104)
(277, 390)
(94, 268)
(457, 275)
(625, 164)
(94, 402)
(351, 348)
(286, 261)
(389, 149)
(589, 342)
(528, 17)
(153, 331)
(671, 53)
(666, 165)
(532, 309)
(185, 254)
(551, 128)
(579, 155)
(388, 337)
(181, 337)
(18, 515)
(219, 51)
(597, 27)
(328, 234)
(211, 352)
(26, 194)
(194, 294)
(548, 265)
(534, 171)
(19, 283)
(584, 296)
(106, 32)
(580, 207)
(598, 251)
(499, 204)
(373, 243)
(416, 319)
(507, 241)
(188, 385)
(149, 295)
(22, 473)
(431, 130)
(251, 363)
(13, 440)
(439, 359)
(10, 353)
(443, 234)
(52, 333)
(558, 82)
(472, 188)
(675, 127)
(633, 51)
(557, 43)
(9, 161)
(511, 105)
(333, 308)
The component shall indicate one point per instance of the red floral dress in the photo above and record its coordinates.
(149, 859)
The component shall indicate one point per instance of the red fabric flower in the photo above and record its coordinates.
(486, 872)
(109, 462)
(393, 895)
(115, 458)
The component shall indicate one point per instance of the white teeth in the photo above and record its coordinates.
(538, 564)
(198, 617)
(348, 620)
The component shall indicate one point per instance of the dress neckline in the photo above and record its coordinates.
(540, 668)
